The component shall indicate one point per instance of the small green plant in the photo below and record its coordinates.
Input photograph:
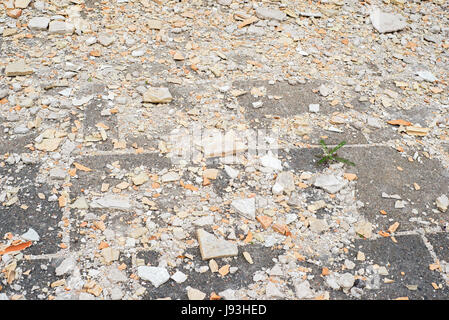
(331, 155)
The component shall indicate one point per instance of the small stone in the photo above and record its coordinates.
(246, 207)
(156, 275)
(30, 235)
(231, 172)
(110, 254)
(154, 24)
(111, 202)
(442, 203)
(329, 183)
(195, 294)
(14, 13)
(228, 294)
(426, 75)
(18, 68)
(271, 162)
(314, 108)
(385, 22)
(60, 27)
(80, 203)
(268, 13)
(349, 264)
(325, 90)
(140, 179)
(248, 257)
(22, 4)
(346, 280)
(38, 23)
(170, 177)
(364, 228)
(105, 39)
(116, 293)
(317, 225)
(211, 247)
(286, 181)
(66, 266)
(57, 173)
(213, 265)
(179, 277)
(210, 174)
(157, 95)
(303, 291)
(48, 144)
(272, 291)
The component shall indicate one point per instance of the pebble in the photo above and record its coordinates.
(212, 247)
(426, 75)
(156, 275)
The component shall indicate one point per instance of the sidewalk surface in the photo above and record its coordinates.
(157, 149)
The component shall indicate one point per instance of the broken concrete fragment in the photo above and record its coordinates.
(111, 202)
(18, 68)
(385, 22)
(211, 247)
(38, 23)
(364, 228)
(80, 203)
(140, 179)
(246, 207)
(156, 275)
(442, 203)
(195, 294)
(157, 95)
(329, 183)
(268, 13)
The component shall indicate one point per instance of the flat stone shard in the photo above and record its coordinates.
(38, 23)
(111, 202)
(157, 95)
(268, 13)
(18, 68)
(157, 276)
(385, 22)
(211, 247)
(245, 207)
(60, 27)
(329, 183)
